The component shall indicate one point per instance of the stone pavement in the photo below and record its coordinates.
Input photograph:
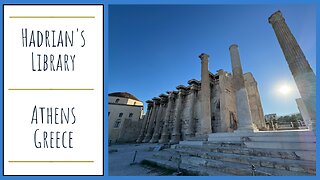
(120, 159)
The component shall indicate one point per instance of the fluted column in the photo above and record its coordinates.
(242, 102)
(165, 131)
(298, 64)
(156, 104)
(145, 121)
(156, 132)
(175, 137)
(191, 126)
(205, 115)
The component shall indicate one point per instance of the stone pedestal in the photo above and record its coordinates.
(242, 102)
(298, 64)
(156, 133)
(205, 115)
(145, 122)
(165, 132)
(156, 104)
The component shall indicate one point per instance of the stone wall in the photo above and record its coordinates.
(129, 131)
(254, 101)
(227, 103)
(114, 111)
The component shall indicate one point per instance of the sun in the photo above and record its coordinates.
(284, 89)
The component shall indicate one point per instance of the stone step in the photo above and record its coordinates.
(269, 162)
(186, 169)
(224, 148)
(240, 169)
(294, 140)
(204, 166)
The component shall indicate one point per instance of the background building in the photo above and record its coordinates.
(125, 112)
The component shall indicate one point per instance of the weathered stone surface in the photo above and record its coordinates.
(151, 123)
(176, 134)
(145, 122)
(242, 101)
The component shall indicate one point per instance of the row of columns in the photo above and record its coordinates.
(159, 110)
(165, 111)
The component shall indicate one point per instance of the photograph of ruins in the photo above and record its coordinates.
(216, 125)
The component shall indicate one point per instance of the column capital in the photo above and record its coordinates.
(150, 103)
(204, 57)
(193, 81)
(164, 98)
(182, 89)
(156, 100)
(275, 17)
(163, 95)
(194, 87)
(221, 71)
(233, 46)
(171, 95)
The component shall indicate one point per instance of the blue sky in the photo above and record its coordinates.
(154, 48)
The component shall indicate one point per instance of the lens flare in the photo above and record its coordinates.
(284, 89)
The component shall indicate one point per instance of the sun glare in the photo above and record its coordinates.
(284, 90)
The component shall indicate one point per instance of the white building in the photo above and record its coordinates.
(124, 117)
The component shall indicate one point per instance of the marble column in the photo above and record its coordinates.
(176, 134)
(156, 132)
(242, 102)
(193, 89)
(165, 131)
(156, 104)
(145, 121)
(300, 69)
(205, 115)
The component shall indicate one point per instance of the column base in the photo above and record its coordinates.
(146, 139)
(154, 139)
(140, 139)
(312, 126)
(175, 138)
(201, 137)
(189, 135)
(248, 128)
(164, 138)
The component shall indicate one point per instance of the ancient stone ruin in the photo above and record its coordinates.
(217, 124)
(204, 107)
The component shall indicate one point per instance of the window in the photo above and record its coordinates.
(117, 100)
(108, 114)
(120, 114)
(117, 123)
(134, 103)
(130, 115)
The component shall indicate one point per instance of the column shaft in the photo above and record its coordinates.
(145, 122)
(152, 120)
(175, 137)
(205, 116)
(191, 128)
(242, 102)
(165, 132)
(156, 133)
